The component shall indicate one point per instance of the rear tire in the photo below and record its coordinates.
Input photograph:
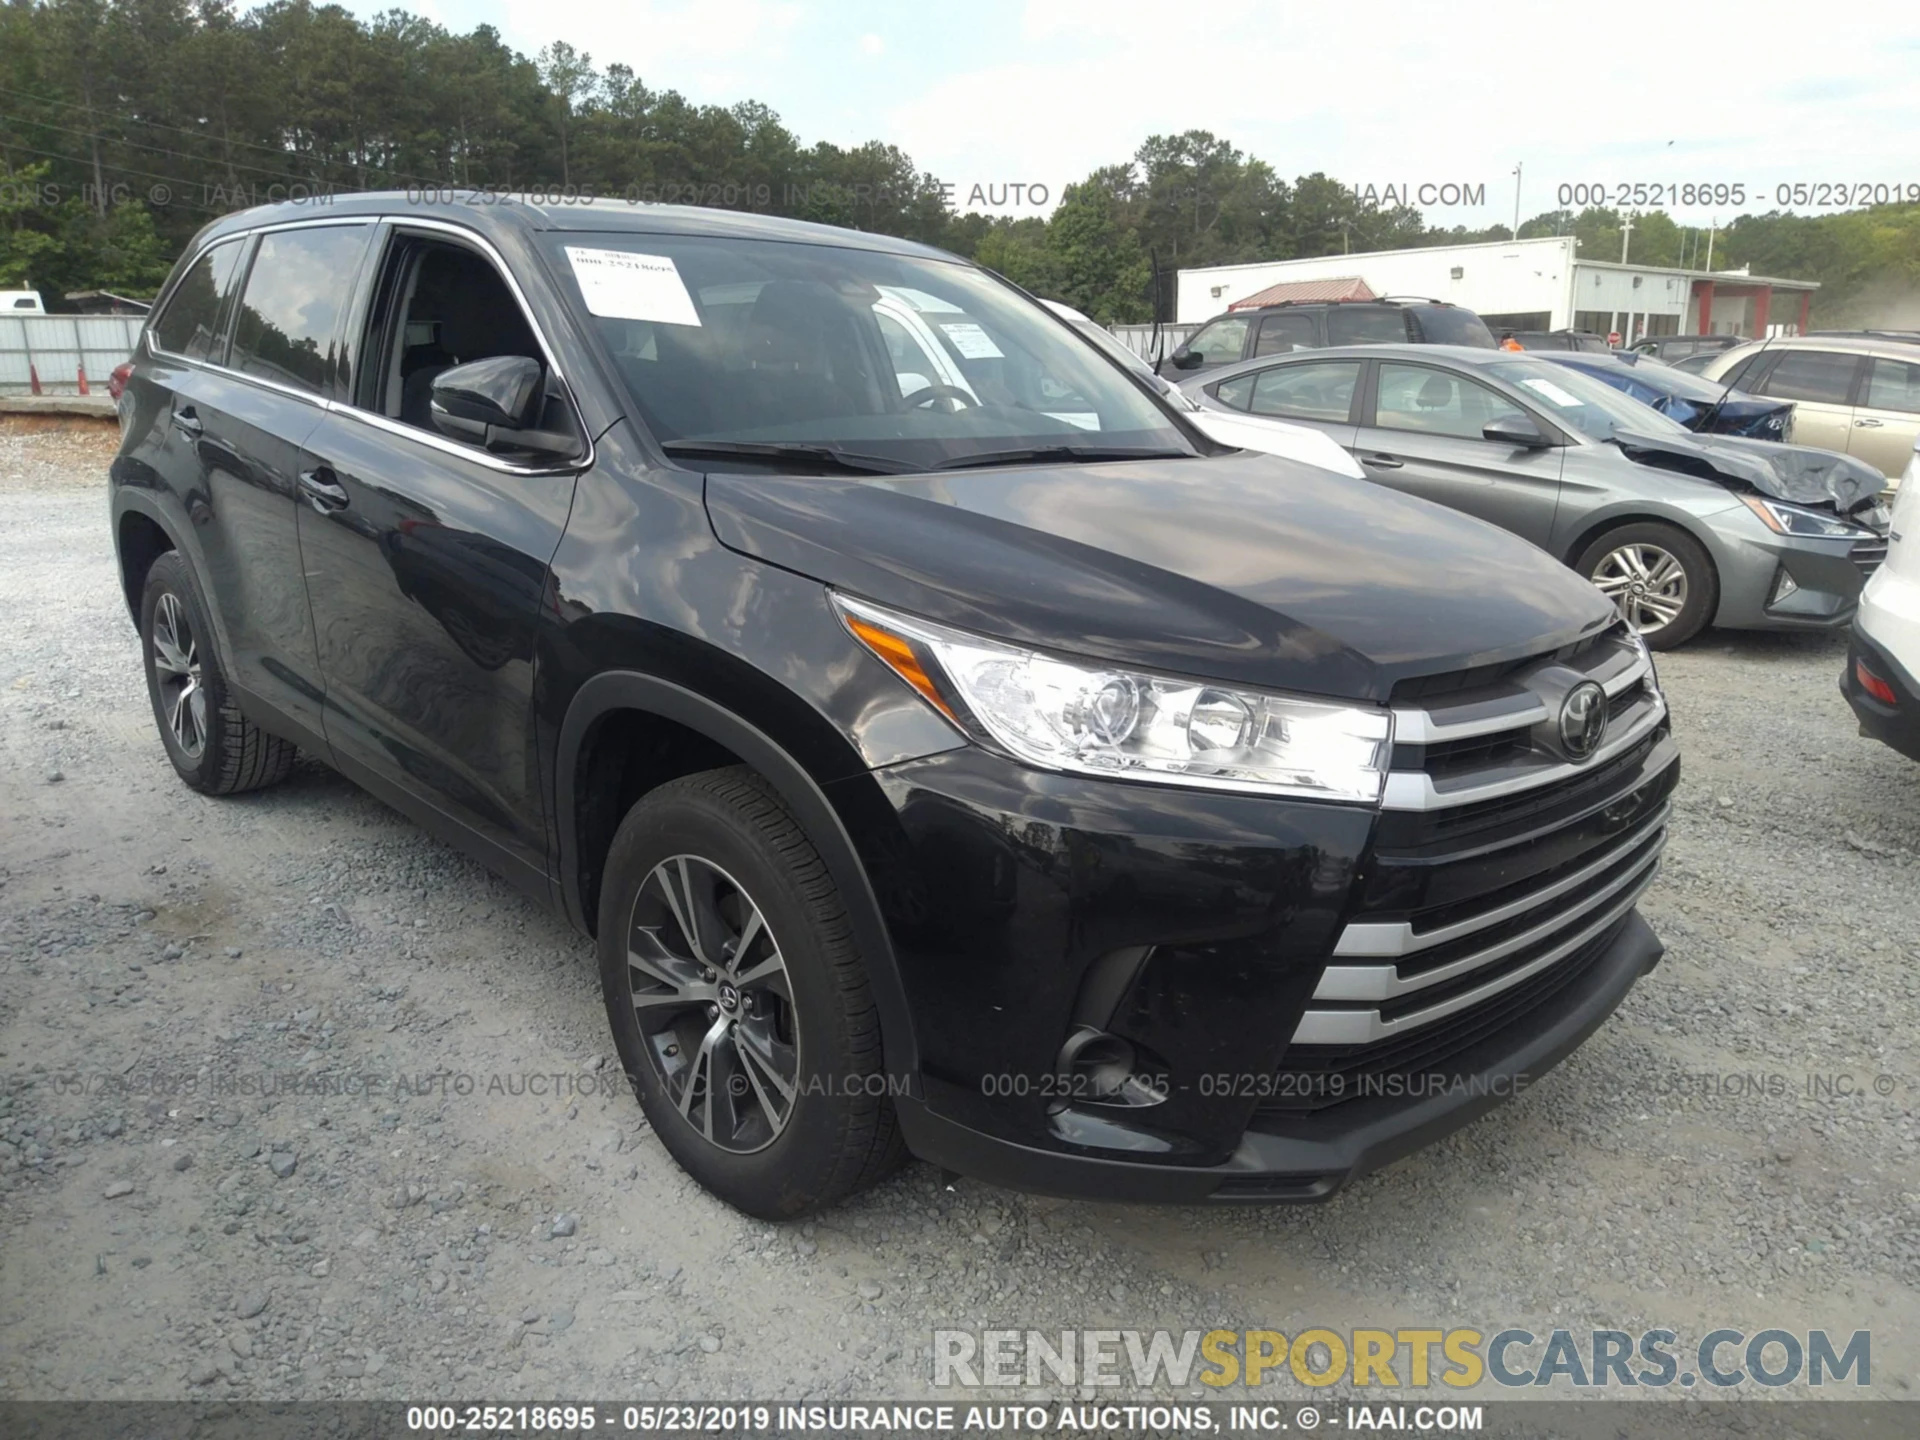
(213, 747)
(1660, 579)
(738, 1001)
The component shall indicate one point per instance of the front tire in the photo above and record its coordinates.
(213, 747)
(738, 1001)
(1660, 579)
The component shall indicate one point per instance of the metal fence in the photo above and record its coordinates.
(55, 348)
(1139, 338)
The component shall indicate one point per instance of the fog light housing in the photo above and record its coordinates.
(1783, 587)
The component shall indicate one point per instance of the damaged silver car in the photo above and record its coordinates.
(1681, 530)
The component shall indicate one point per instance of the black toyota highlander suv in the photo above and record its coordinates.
(950, 748)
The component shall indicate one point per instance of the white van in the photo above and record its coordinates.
(21, 302)
(1882, 681)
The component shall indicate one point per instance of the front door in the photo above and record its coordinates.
(427, 562)
(1426, 439)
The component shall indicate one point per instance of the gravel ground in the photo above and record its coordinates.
(470, 1229)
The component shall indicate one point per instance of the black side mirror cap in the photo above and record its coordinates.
(495, 403)
(1188, 359)
(1521, 432)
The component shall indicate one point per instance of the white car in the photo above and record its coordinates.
(1245, 432)
(1882, 682)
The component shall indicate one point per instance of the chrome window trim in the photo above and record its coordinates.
(1392, 940)
(1380, 983)
(1415, 790)
(386, 423)
(1363, 1027)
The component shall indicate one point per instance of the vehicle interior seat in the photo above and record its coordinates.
(801, 353)
(468, 313)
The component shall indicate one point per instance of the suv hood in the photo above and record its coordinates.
(1798, 474)
(1244, 568)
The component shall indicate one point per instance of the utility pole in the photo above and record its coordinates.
(1516, 199)
(1710, 244)
(1626, 234)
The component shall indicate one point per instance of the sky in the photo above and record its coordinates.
(1003, 93)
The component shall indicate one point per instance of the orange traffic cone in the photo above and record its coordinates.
(83, 381)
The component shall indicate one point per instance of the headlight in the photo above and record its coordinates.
(1794, 520)
(1093, 719)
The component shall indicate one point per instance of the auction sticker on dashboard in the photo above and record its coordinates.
(971, 341)
(622, 285)
(1551, 393)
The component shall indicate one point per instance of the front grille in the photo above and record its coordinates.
(1869, 555)
(1500, 869)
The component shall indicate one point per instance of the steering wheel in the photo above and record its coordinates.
(960, 398)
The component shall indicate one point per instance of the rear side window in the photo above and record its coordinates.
(194, 318)
(1820, 375)
(1307, 392)
(1284, 332)
(296, 290)
(1450, 325)
(1366, 325)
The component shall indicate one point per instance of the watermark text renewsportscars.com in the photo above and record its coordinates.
(1415, 1358)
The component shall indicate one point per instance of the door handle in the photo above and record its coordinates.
(1867, 424)
(1382, 462)
(323, 492)
(187, 423)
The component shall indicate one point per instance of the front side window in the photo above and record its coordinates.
(1322, 391)
(1820, 375)
(195, 315)
(1439, 402)
(1893, 385)
(872, 359)
(1365, 325)
(1220, 342)
(289, 324)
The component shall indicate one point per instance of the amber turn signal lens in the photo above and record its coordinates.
(899, 656)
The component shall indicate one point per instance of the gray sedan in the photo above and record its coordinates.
(1681, 530)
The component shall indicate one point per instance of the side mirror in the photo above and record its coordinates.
(1188, 359)
(1519, 431)
(496, 403)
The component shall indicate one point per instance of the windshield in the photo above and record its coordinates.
(1582, 403)
(1669, 381)
(898, 362)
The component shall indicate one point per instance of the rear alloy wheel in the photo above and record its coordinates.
(739, 1004)
(1658, 577)
(213, 747)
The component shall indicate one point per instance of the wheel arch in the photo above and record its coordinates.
(688, 732)
(140, 538)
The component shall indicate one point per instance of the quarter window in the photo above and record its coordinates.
(1365, 325)
(1437, 402)
(1824, 376)
(289, 325)
(1893, 385)
(195, 317)
(1307, 392)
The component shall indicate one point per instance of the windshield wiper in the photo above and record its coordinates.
(1059, 452)
(813, 457)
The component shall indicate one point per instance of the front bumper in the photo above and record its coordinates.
(1779, 582)
(1197, 928)
(1313, 1159)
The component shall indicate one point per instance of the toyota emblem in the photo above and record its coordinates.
(1583, 720)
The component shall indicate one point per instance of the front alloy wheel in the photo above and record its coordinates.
(1647, 584)
(712, 999)
(1659, 578)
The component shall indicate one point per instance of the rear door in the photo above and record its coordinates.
(1284, 331)
(237, 427)
(1821, 385)
(427, 559)
(1423, 436)
(1887, 417)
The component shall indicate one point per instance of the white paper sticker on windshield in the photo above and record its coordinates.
(1553, 394)
(624, 286)
(919, 299)
(971, 341)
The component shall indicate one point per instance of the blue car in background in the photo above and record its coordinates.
(1698, 404)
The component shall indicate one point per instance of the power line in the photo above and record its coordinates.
(134, 119)
(159, 149)
(168, 180)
